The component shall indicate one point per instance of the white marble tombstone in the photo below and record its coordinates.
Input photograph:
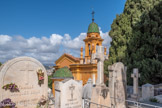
(23, 72)
(147, 91)
(68, 94)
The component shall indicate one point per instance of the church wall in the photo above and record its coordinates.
(65, 61)
(84, 71)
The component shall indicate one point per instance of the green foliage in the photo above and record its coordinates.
(137, 40)
(50, 81)
(0, 63)
(153, 100)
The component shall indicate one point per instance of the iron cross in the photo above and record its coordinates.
(93, 16)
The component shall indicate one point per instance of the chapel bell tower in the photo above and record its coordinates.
(92, 40)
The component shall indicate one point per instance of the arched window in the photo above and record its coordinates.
(97, 46)
(89, 47)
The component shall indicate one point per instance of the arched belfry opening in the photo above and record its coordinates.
(89, 49)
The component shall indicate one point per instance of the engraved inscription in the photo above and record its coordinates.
(27, 71)
(23, 72)
(72, 89)
(73, 103)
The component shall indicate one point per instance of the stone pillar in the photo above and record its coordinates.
(135, 77)
(94, 79)
(81, 55)
(100, 64)
(100, 93)
(93, 59)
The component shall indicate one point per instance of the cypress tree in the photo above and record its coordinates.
(137, 40)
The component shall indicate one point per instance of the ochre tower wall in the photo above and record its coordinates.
(84, 71)
(91, 41)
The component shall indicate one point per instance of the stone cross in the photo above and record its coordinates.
(135, 77)
(27, 71)
(99, 55)
(72, 88)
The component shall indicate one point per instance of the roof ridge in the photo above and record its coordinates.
(75, 58)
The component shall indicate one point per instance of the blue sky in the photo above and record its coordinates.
(37, 21)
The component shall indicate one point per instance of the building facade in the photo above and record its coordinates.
(84, 68)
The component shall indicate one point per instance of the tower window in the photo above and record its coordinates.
(89, 46)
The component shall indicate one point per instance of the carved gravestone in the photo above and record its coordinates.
(147, 91)
(100, 95)
(22, 71)
(117, 85)
(68, 94)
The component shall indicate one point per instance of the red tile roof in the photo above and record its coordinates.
(75, 58)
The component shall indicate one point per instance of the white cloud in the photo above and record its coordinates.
(56, 39)
(46, 50)
(4, 39)
(75, 43)
(106, 37)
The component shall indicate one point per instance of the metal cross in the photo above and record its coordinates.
(93, 16)
(72, 88)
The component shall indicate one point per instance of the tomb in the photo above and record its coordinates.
(27, 79)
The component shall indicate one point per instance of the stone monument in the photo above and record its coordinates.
(100, 56)
(135, 77)
(22, 73)
(117, 85)
(68, 94)
(87, 90)
(147, 91)
(100, 93)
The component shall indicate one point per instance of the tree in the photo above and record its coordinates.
(137, 39)
(50, 81)
(0, 63)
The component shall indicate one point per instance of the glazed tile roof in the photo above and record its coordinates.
(63, 73)
(93, 28)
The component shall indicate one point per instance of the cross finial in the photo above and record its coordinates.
(93, 15)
